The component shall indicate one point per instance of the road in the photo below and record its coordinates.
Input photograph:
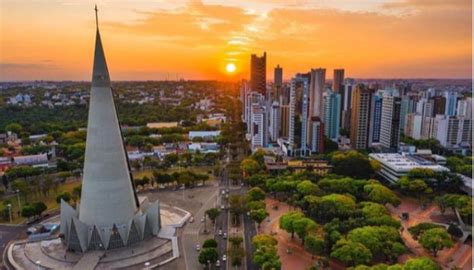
(9, 233)
(222, 221)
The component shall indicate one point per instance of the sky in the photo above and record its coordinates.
(158, 39)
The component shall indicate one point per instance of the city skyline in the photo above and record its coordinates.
(386, 39)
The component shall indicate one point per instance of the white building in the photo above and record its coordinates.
(204, 134)
(390, 123)
(453, 132)
(274, 121)
(259, 127)
(397, 165)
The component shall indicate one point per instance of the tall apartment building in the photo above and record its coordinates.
(258, 77)
(360, 116)
(332, 111)
(317, 135)
(452, 132)
(275, 121)
(390, 125)
(375, 118)
(316, 89)
(278, 77)
(439, 105)
(292, 115)
(464, 108)
(338, 80)
(284, 120)
(259, 127)
(451, 102)
(407, 107)
(413, 125)
(346, 103)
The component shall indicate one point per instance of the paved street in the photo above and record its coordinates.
(9, 233)
(250, 231)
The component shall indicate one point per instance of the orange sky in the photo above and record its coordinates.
(155, 39)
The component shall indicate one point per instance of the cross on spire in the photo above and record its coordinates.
(96, 17)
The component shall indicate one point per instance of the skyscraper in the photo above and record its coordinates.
(278, 77)
(259, 126)
(332, 110)
(338, 80)
(284, 120)
(360, 116)
(451, 102)
(464, 108)
(439, 105)
(109, 215)
(375, 118)
(390, 125)
(346, 103)
(316, 89)
(317, 135)
(258, 77)
(274, 121)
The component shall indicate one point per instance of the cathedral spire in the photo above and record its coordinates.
(100, 73)
(96, 17)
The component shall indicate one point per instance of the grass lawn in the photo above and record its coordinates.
(49, 200)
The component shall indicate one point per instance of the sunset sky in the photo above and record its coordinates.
(155, 39)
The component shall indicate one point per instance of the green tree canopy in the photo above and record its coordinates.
(435, 239)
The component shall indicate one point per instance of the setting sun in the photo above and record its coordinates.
(230, 68)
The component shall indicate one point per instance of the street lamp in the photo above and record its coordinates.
(10, 212)
(38, 264)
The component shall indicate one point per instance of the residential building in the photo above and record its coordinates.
(258, 69)
(451, 102)
(284, 120)
(390, 124)
(439, 105)
(375, 118)
(464, 108)
(338, 80)
(332, 111)
(413, 126)
(317, 135)
(259, 127)
(278, 77)
(274, 121)
(360, 116)
(316, 89)
(346, 103)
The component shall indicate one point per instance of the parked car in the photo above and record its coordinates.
(198, 247)
(224, 257)
(218, 263)
(225, 235)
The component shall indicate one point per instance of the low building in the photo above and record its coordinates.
(204, 147)
(319, 167)
(38, 159)
(396, 165)
(162, 125)
(204, 134)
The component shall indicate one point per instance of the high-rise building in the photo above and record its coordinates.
(452, 132)
(332, 110)
(252, 98)
(346, 103)
(278, 77)
(407, 107)
(305, 119)
(413, 125)
(284, 120)
(316, 89)
(451, 102)
(375, 118)
(464, 108)
(292, 115)
(439, 105)
(259, 128)
(258, 69)
(317, 135)
(275, 121)
(110, 215)
(338, 80)
(390, 124)
(360, 116)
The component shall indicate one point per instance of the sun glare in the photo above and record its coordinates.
(230, 68)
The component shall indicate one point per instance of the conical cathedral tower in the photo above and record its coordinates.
(109, 215)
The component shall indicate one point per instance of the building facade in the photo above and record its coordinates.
(258, 75)
(360, 116)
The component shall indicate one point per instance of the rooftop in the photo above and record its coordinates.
(405, 163)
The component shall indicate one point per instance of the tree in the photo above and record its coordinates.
(287, 220)
(381, 194)
(436, 239)
(258, 215)
(28, 210)
(421, 263)
(351, 253)
(382, 240)
(236, 240)
(213, 213)
(14, 127)
(265, 254)
(249, 166)
(313, 244)
(208, 254)
(332, 206)
(420, 228)
(66, 196)
(352, 164)
(255, 194)
(261, 240)
(39, 208)
(209, 243)
(303, 226)
(307, 187)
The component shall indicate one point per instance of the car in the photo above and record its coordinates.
(198, 247)
(220, 232)
(218, 263)
(224, 257)
(191, 220)
(222, 207)
(225, 235)
(227, 190)
(223, 192)
(202, 220)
